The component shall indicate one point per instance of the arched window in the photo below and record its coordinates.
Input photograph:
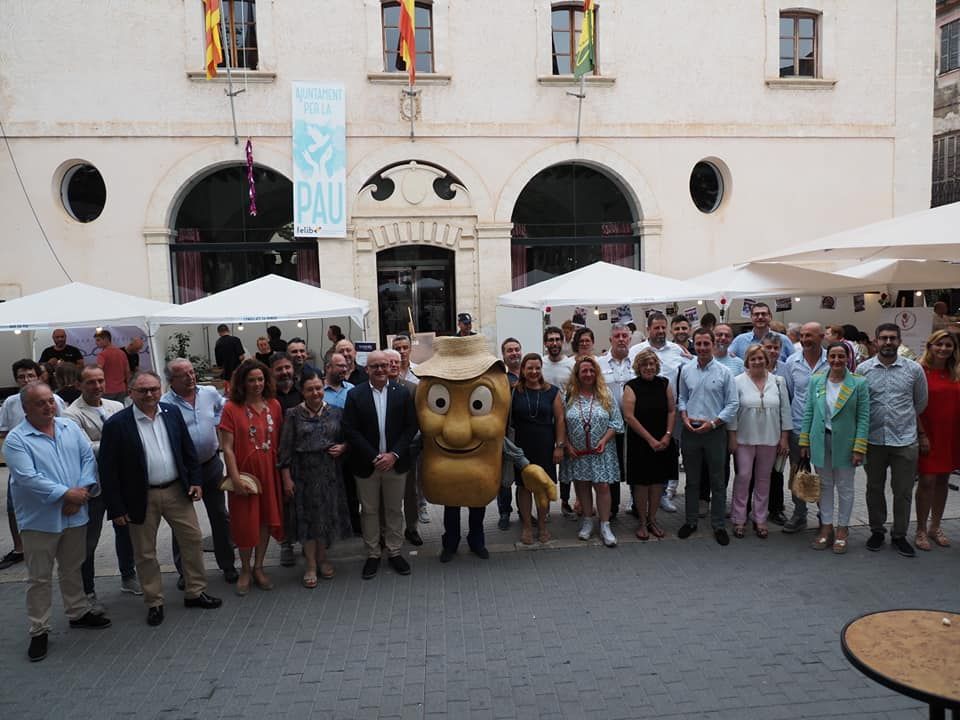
(423, 21)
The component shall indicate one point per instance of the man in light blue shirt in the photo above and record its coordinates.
(201, 407)
(723, 336)
(707, 402)
(52, 473)
(760, 316)
(335, 388)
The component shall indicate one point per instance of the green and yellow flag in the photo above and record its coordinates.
(586, 60)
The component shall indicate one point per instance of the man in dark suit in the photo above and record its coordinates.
(149, 470)
(379, 423)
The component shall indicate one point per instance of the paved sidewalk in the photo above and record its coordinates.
(669, 629)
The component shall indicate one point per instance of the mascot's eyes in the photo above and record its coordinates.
(438, 399)
(481, 401)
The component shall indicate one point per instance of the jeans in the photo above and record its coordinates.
(504, 500)
(215, 504)
(451, 528)
(97, 508)
(840, 478)
(902, 462)
(706, 449)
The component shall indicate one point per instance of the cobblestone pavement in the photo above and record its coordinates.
(668, 629)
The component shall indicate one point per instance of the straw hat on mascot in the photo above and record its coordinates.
(463, 405)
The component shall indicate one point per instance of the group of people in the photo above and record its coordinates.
(314, 456)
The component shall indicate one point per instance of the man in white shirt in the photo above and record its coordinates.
(556, 366)
(90, 411)
(617, 370)
(401, 343)
(672, 358)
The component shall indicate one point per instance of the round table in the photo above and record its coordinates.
(911, 651)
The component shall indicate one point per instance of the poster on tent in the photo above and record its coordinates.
(319, 160)
(747, 308)
(121, 336)
(915, 325)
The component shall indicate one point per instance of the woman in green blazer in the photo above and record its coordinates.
(834, 436)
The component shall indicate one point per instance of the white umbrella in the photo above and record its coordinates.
(773, 280)
(907, 274)
(932, 234)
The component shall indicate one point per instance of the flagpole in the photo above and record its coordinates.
(230, 93)
(413, 110)
(580, 108)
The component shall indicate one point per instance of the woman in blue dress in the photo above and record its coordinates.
(536, 415)
(592, 418)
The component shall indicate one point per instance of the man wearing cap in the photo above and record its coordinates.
(465, 325)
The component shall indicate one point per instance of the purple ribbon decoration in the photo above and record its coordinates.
(250, 181)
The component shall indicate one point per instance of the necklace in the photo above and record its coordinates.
(586, 421)
(268, 443)
(532, 413)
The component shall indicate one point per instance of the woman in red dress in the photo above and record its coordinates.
(939, 435)
(249, 437)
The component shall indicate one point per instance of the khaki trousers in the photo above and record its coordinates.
(40, 550)
(369, 489)
(172, 504)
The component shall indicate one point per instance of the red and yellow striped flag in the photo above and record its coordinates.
(214, 49)
(408, 38)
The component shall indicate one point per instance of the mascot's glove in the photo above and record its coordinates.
(536, 480)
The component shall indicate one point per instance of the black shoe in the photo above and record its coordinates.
(481, 553)
(902, 546)
(204, 601)
(875, 542)
(413, 537)
(720, 534)
(504, 522)
(181, 584)
(778, 518)
(89, 621)
(370, 568)
(399, 565)
(231, 576)
(447, 555)
(11, 558)
(155, 615)
(686, 531)
(38, 648)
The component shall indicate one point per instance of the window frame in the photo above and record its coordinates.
(796, 16)
(573, 8)
(230, 50)
(945, 30)
(385, 53)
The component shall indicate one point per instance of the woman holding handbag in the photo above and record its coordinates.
(836, 422)
(759, 432)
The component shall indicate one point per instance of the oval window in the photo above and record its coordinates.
(706, 186)
(83, 193)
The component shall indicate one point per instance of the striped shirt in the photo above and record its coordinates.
(898, 393)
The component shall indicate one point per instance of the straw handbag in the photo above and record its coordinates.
(806, 483)
(249, 481)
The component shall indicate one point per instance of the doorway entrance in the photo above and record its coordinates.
(417, 281)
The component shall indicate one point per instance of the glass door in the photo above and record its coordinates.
(418, 281)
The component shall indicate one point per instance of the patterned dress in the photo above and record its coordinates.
(255, 439)
(321, 500)
(587, 418)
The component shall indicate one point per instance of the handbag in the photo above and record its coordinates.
(806, 483)
(250, 482)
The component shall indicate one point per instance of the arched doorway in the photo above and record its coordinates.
(218, 244)
(570, 215)
(417, 281)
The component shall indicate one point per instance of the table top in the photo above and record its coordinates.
(911, 651)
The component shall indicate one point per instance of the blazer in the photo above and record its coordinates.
(849, 418)
(361, 429)
(123, 464)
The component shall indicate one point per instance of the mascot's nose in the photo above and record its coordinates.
(457, 432)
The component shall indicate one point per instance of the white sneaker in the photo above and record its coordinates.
(95, 607)
(586, 528)
(609, 539)
(131, 586)
(424, 515)
(666, 504)
(672, 487)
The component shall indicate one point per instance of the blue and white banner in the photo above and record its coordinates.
(319, 160)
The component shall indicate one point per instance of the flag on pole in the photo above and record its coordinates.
(586, 60)
(408, 38)
(214, 48)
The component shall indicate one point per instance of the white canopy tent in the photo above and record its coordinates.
(773, 280)
(906, 274)
(926, 235)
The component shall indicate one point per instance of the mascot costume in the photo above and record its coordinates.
(463, 406)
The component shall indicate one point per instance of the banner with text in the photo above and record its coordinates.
(319, 160)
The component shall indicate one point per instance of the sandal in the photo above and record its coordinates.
(940, 538)
(327, 571)
(922, 541)
(761, 532)
(655, 530)
(641, 533)
(261, 580)
(738, 531)
(526, 536)
(545, 536)
(822, 543)
(242, 588)
(840, 546)
(310, 580)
